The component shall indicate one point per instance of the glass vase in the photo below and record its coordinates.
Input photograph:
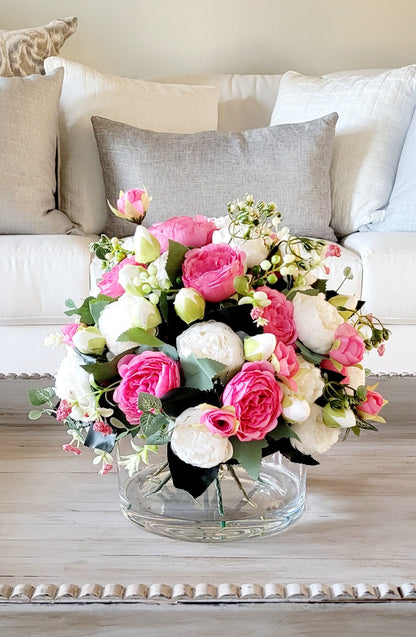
(234, 506)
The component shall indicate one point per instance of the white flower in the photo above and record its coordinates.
(259, 347)
(161, 274)
(189, 305)
(315, 437)
(125, 313)
(308, 380)
(89, 340)
(214, 340)
(146, 246)
(129, 278)
(72, 384)
(356, 377)
(316, 321)
(255, 250)
(193, 443)
(295, 409)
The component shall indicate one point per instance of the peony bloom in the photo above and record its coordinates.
(219, 420)
(316, 321)
(125, 313)
(72, 385)
(255, 250)
(193, 232)
(189, 305)
(279, 316)
(315, 436)
(257, 398)
(193, 443)
(211, 270)
(132, 205)
(109, 283)
(371, 406)
(308, 380)
(348, 347)
(151, 372)
(211, 339)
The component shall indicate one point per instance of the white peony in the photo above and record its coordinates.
(193, 443)
(211, 339)
(72, 384)
(255, 250)
(125, 313)
(315, 437)
(308, 380)
(316, 321)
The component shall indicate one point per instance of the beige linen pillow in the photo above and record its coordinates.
(85, 93)
(23, 51)
(28, 128)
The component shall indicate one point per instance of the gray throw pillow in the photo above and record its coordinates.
(29, 109)
(199, 173)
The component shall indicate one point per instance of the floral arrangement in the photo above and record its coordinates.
(216, 338)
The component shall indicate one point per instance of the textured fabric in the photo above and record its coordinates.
(201, 173)
(387, 257)
(38, 274)
(28, 127)
(23, 51)
(374, 115)
(85, 92)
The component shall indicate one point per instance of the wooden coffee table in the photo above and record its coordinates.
(70, 564)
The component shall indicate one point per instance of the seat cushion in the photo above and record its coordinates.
(389, 287)
(39, 272)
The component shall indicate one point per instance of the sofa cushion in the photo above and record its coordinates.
(387, 257)
(28, 127)
(23, 51)
(374, 115)
(201, 173)
(38, 274)
(85, 92)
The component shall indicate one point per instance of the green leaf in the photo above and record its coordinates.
(104, 371)
(248, 454)
(83, 311)
(146, 402)
(70, 303)
(163, 305)
(35, 414)
(38, 397)
(151, 423)
(140, 336)
(361, 393)
(162, 436)
(98, 304)
(283, 430)
(199, 372)
(170, 351)
(176, 256)
(311, 357)
(320, 285)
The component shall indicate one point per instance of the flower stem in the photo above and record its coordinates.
(240, 486)
(220, 503)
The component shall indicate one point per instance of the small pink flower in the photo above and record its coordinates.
(333, 250)
(348, 347)
(102, 428)
(372, 404)
(256, 313)
(279, 316)
(106, 468)
(68, 331)
(133, 204)
(193, 232)
(211, 270)
(72, 449)
(63, 410)
(381, 350)
(108, 284)
(220, 421)
(257, 398)
(327, 270)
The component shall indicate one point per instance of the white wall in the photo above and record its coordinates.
(144, 38)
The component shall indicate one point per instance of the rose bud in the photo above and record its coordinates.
(189, 305)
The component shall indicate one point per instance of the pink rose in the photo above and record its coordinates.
(133, 204)
(372, 404)
(193, 232)
(151, 372)
(220, 421)
(348, 347)
(279, 315)
(257, 398)
(68, 331)
(108, 284)
(211, 270)
(288, 363)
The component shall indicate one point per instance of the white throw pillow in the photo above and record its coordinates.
(86, 92)
(374, 115)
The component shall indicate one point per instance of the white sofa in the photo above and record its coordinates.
(39, 272)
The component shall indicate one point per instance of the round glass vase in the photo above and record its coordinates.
(233, 507)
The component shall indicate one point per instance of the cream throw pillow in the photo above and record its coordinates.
(374, 115)
(150, 105)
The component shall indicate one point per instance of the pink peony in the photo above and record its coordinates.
(288, 363)
(348, 347)
(220, 421)
(279, 315)
(68, 331)
(151, 372)
(133, 204)
(211, 270)
(371, 406)
(257, 398)
(193, 232)
(109, 284)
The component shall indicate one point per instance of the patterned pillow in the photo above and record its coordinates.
(23, 51)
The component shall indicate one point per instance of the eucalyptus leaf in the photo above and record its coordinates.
(199, 372)
(35, 414)
(151, 423)
(309, 355)
(38, 397)
(83, 311)
(98, 304)
(140, 336)
(248, 454)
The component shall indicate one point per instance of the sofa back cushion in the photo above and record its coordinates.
(202, 172)
(86, 92)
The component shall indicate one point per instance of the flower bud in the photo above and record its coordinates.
(295, 409)
(132, 205)
(343, 418)
(189, 305)
(259, 347)
(146, 246)
(89, 340)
